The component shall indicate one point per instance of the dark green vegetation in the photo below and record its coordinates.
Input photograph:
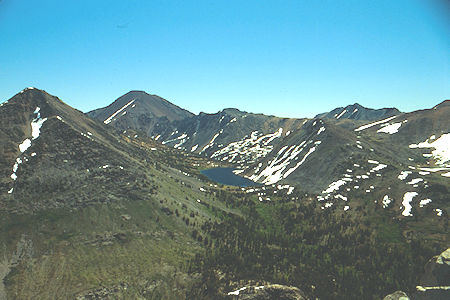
(327, 254)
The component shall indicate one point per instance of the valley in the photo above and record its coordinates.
(117, 203)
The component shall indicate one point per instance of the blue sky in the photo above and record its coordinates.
(286, 58)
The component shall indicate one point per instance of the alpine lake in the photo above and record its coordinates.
(227, 177)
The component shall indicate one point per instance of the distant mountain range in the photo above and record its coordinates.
(112, 203)
(272, 150)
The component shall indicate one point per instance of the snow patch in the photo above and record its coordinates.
(391, 128)
(441, 146)
(249, 149)
(415, 181)
(211, 142)
(25, 145)
(36, 125)
(404, 174)
(407, 198)
(424, 202)
(374, 123)
(322, 129)
(275, 170)
(334, 186)
(15, 168)
(288, 172)
(341, 197)
(434, 169)
(341, 114)
(236, 292)
(108, 120)
(386, 201)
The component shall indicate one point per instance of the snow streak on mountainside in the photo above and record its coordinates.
(230, 136)
(110, 118)
(249, 149)
(287, 160)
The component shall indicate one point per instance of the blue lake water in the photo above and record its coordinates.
(226, 176)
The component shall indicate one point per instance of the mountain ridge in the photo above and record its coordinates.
(358, 112)
(250, 141)
(90, 210)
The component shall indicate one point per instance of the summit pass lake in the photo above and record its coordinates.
(227, 177)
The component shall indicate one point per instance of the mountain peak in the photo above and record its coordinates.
(233, 112)
(138, 109)
(28, 88)
(134, 92)
(32, 96)
(31, 90)
(356, 104)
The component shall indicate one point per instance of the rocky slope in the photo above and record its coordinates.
(52, 150)
(87, 212)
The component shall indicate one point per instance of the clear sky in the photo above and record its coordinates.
(286, 58)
